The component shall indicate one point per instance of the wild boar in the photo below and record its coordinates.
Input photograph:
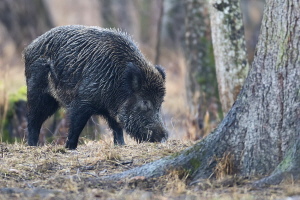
(93, 71)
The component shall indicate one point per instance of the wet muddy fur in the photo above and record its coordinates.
(93, 71)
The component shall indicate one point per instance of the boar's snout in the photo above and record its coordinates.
(157, 134)
(143, 128)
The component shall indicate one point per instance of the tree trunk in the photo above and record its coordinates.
(252, 16)
(230, 52)
(120, 14)
(264, 121)
(158, 34)
(24, 20)
(200, 73)
(287, 169)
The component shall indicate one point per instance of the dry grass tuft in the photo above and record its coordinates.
(112, 154)
(291, 188)
(176, 182)
(224, 166)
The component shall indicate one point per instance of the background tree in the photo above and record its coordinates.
(264, 121)
(158, 32)
(230, 54)
(24, 20)
(115, 13)
(201, 84)
(20, 22)
(252, 17)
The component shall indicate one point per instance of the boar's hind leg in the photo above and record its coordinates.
(79, 116)
(117, 131)
(39, 109)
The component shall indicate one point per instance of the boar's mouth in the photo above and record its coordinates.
(145, 133)
(142, 126)
(154, 135)
(151, 134)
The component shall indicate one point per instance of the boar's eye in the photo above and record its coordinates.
(146, 105)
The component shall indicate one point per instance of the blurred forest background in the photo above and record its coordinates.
(162, 28)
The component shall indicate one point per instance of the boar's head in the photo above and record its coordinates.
(140, 114)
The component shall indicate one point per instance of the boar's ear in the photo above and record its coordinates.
(161, 71)
(133, 77)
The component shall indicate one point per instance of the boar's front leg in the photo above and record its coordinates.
(117, 131)
(78, 116)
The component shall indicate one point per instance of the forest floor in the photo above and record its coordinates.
(52, 172)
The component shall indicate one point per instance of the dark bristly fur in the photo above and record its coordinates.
(90, 70)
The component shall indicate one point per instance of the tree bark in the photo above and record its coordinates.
(158, 34)
(121, 14)
(24, 20)
(200, 73)
(230, 49)
(264, 121)
(287, 169)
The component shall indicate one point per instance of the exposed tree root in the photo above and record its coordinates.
(288, 169)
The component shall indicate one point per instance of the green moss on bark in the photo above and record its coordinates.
(20, 95)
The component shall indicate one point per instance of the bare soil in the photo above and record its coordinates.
(52, 172)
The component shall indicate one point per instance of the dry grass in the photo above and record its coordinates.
(53, 167)
(52, 172)
(224, 166)
(176, 182)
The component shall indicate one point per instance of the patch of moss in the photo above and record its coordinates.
(20, 95)
(208, 75)
(195, 148)
(195, 164)
(286, 163)
(174, 155)
(281, 56)
(5, 136)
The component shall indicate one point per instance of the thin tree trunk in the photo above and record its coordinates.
(200, 74)
(24, 20)
(264, 121)
(230, 49)
(158, 35)
(120, 14)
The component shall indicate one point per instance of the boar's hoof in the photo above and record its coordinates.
(71, 145)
